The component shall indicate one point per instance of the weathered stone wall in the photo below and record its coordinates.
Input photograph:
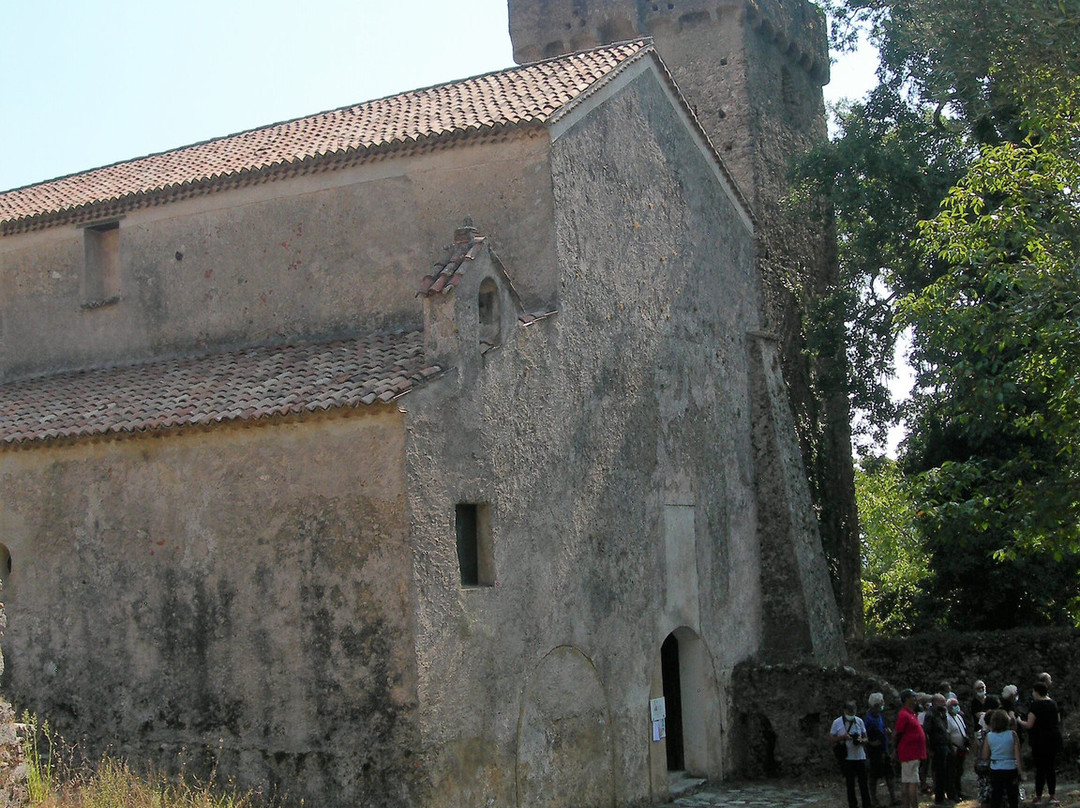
(752, 70)
(799, 611)
(784, 117)
(613, 443)
(783, 712)
(285, 601)
(331, 253)
(13, 780)
(236, 597)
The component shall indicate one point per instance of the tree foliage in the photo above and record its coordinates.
(887, 170)
(895, 569)
(998, 362)
(998, 354)
(957, 193)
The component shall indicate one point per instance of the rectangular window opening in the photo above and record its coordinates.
(475, 556)
(101, 271)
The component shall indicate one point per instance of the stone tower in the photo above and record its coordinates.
(752, 70)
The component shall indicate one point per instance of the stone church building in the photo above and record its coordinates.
(430, 451)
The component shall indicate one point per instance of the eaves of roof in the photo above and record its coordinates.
(496, 105)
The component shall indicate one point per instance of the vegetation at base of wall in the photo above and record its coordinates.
(113, 784)
(38, 757)
(955, 185)
(54, 781)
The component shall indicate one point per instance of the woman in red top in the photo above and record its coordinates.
(910, 743)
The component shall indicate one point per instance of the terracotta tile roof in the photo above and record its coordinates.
(447, 271)
(518, 97)
(233, 386)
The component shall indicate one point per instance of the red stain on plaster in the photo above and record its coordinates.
(208, 273)
(285, 245)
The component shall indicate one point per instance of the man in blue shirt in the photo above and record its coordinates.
(877, 748)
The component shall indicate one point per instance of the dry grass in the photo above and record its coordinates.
(113, 785)
(53, 781)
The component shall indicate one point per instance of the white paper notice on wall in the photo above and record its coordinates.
(657, 709)
(659, 729)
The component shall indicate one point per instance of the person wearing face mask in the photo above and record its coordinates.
(958, 747)
(978, 707)
(877, 749)
(946, 689)
(936, 725)
(850, 730)
(924, 701)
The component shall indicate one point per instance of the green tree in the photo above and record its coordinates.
(895, 569)
(998, 361)
(955, 189)
(887, 169)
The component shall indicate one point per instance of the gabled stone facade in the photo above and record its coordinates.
(386, 532)
(752, 71)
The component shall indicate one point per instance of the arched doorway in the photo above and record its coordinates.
(669, 668)
(5, 573)
(685, 678)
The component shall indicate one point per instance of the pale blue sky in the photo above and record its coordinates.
(91, 82)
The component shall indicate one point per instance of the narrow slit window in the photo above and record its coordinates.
(488, 314)
(474, 550)
(5, 569)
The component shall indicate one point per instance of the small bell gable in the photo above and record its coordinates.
(470, 305)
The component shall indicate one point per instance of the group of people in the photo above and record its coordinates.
(933, 735)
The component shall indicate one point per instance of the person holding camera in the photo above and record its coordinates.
(848, 737)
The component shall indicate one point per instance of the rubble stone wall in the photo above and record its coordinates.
(783, 712)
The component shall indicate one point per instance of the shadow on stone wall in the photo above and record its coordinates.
(782, 713)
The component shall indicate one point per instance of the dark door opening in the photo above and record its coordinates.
(669, 667)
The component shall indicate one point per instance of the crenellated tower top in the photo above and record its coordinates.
(544, 28)
(751, 69)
